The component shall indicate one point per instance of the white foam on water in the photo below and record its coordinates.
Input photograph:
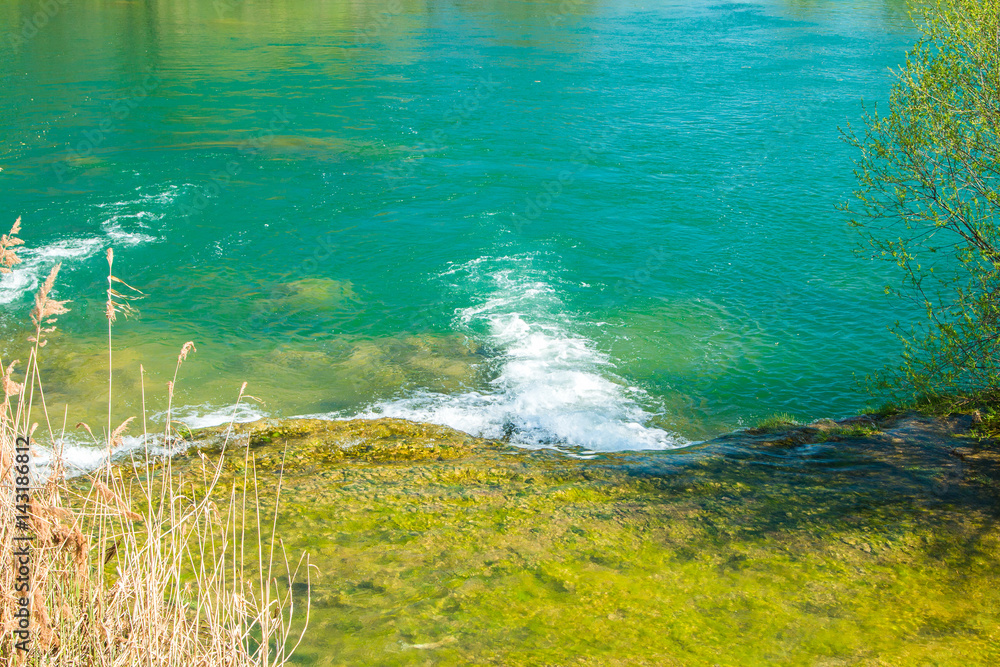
(82, 456)
(116, 228)
(205, 416)
(552, 386)
(37, 262)
(130, 222)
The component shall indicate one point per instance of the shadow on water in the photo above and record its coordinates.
(881, 480)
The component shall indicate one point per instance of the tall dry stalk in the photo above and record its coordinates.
(137, 564)
(117, 302)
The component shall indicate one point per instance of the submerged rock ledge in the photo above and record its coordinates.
(367, 440)
(391, 439)
(853, 542)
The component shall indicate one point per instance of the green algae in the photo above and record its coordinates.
(786, 431)
(314, 294)
(315, 441)
(434, 547)
(296, 375)
(774, 423)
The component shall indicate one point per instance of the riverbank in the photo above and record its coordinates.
(834, 543)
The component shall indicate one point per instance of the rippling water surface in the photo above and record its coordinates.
(605, 224)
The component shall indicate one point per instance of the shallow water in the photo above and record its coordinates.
(606, 224)
(736, 552)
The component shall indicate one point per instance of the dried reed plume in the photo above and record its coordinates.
(8, 248)
(118, 302)
(44, 314)
(135, 565)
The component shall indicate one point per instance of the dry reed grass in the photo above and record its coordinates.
(135, 565)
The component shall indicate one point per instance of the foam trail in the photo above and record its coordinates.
(551, 387)
(204, 416)
(36, 263)
(128, 222)
(80, 457)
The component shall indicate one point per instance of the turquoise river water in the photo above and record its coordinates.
(604, 224)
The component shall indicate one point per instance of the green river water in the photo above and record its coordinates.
(602, 224)
(595, 226)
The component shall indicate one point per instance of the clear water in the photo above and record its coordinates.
(606, 224)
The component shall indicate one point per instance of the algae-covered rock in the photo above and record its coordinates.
(436, 361)
(306, 441)
(314, 293)
(431, 546)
